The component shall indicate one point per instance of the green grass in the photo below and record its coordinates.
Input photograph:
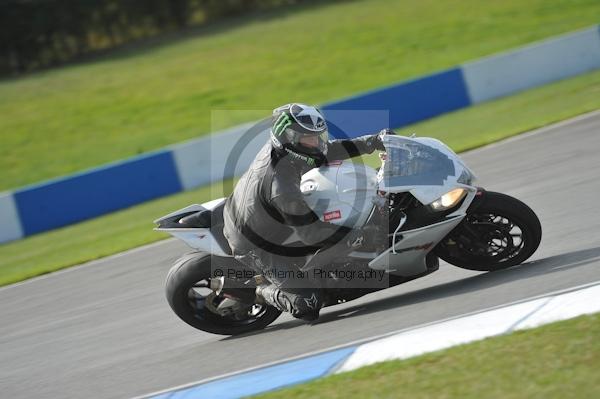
(64, 120)
(559, 360)
(132, 227)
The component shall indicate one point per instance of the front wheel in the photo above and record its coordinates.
(189, 295)
(501, 232)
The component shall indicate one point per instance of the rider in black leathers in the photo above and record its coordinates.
(267, 207)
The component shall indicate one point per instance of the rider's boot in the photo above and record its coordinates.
(304, 304)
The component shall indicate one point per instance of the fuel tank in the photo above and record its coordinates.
(342, 193)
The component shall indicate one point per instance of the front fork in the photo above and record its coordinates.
(480, 198)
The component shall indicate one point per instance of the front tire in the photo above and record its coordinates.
(498, 233)
(190, 298)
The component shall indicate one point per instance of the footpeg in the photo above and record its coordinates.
(234, 289)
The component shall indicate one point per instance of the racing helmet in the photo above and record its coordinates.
(300, 131)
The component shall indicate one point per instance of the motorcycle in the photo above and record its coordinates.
(424, 195)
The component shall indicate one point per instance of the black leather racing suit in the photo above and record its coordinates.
(267, 207)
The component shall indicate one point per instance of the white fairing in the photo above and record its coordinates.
(198, 238)
(342, 193)
(345, 193)
(410, 251)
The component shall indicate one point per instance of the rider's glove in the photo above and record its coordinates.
(366, 235)
(355, 239)
(379, 138)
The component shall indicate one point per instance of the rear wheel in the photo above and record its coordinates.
(189, 295)
(499, 233)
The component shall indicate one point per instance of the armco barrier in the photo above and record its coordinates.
(533, 65)
(205, 160)
(64, 201)
(407, 102)
(197, 162)
(10, 224)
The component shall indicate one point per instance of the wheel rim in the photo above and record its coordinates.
(204, 302)
(489, 237)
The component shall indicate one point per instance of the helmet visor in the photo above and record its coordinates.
(312, 143)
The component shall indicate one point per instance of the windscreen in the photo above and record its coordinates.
(409, 163)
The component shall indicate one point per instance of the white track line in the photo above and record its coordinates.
(90, 263)
(535, 132)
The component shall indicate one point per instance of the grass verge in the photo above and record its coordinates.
(61, 121)
(132, 227)
(559, 360)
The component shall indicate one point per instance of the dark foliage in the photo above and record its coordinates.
(36, 34)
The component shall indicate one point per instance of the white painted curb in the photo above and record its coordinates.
(528, 313)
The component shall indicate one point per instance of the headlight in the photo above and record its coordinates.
(448, 200)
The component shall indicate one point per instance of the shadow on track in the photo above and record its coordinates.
(482, 281)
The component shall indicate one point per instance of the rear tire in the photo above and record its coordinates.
(189, 272)
(498, 233)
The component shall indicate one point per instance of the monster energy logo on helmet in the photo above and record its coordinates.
(282, 123)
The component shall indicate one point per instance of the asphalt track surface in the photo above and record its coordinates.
(104, 330)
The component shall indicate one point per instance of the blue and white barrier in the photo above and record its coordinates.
(85, 195)
(205, 160)
(533, 65)
(407, 102)
(11, 228)
(64, 201)
(401, 345)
